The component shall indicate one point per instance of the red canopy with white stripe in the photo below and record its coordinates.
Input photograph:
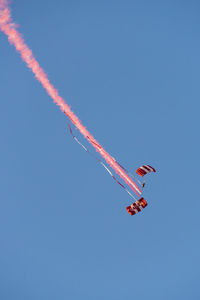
(136, 206)
(144, 170)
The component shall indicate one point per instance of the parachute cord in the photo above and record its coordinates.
(105, 167)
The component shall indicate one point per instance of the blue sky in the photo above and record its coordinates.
(130, 70)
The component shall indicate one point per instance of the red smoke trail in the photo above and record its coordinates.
(14, 38)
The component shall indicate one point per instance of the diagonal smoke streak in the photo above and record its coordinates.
(14, 37)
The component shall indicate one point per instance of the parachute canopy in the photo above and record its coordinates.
(144, 170)
(136, 206)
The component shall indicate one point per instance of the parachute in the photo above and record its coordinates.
(136, 206)
(141, 171)
(144, 170)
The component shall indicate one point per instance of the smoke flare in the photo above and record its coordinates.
(14, 37)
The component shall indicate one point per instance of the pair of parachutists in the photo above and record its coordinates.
(140, 204)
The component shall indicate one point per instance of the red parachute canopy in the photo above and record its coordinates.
(136, 206)
(144, 170)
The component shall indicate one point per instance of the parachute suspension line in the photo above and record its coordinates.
(105, 167)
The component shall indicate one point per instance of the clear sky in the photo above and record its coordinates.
(130, 70)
